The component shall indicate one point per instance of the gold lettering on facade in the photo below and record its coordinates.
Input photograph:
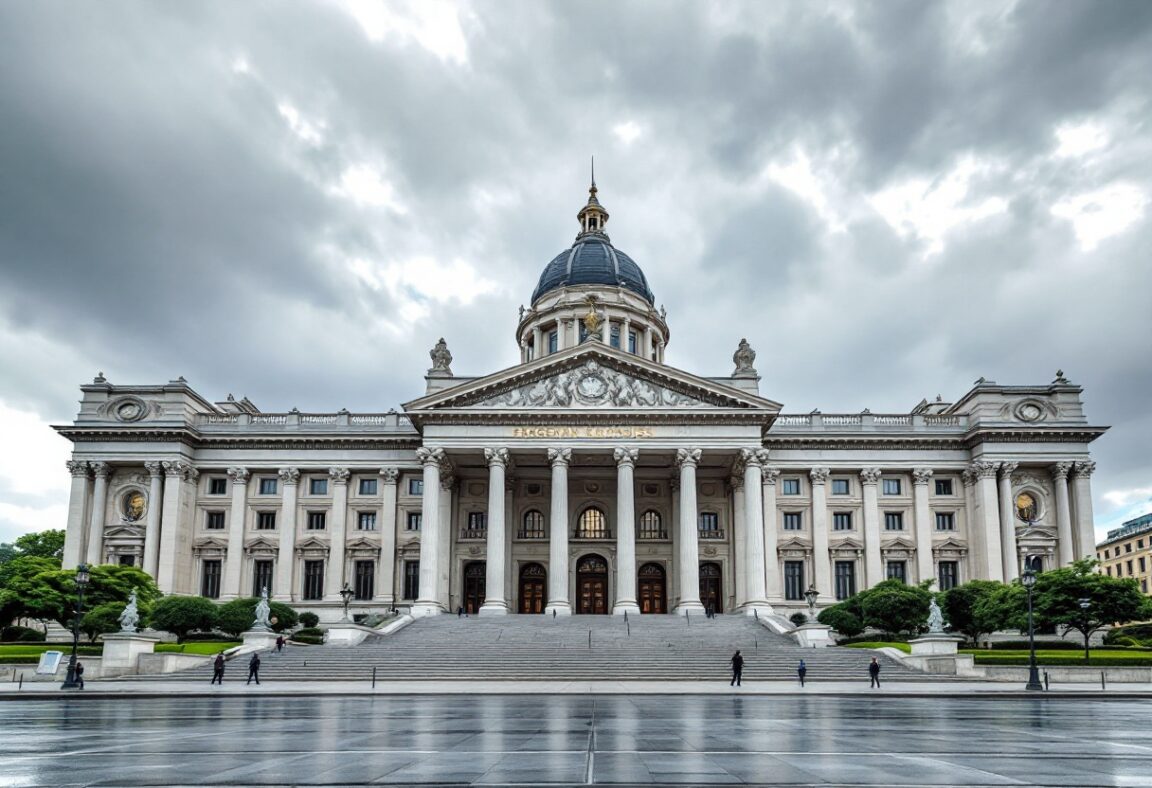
(581, 432)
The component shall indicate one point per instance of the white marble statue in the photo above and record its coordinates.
(263, 610)
(129, 617)
(935, 618)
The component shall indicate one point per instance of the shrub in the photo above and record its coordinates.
(183, 614)
(798, 619)
(1045, 645)
(310, 632)
(101, 620)
(238, 615)
(309, 619)
(842, 620)
(1138, 631)
(308, 639)
(14, 634)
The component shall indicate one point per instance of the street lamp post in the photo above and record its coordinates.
(1085, 606)
(1028, 580)
(346, 594)
(82, 578)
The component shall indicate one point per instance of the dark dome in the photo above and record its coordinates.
(592, 260)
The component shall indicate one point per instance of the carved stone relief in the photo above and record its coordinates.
(592, 386)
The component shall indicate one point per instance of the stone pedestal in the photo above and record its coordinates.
(934, 653)
(259, 639)
(122, 651)
(813, 635)
(347, 634)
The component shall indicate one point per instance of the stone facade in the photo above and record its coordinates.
(1127, 552)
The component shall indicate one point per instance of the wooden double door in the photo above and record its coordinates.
(652, 589)
(533, 594)
(592, 585)
(475, 586)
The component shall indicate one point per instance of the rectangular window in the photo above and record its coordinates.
(793, 521)
(1139, 544)
(943, 486)
(261, 576)
(313, 579)
(317, 521)
(477, 521)
(365, 586)
(214, 521)
(412, 523)
(1105, 553)
(317, 486)
(554, 340)
(366, 521)
(840, 487)
(415, 486)
(845, 579)
(265, 521)
(1128, 547)
(614, 336)
(891, 486)
(1144, 586)
(127, 560)
(793, 579)
(790, 487)
(218, 485)
(897, 570)
(268, 485)
(369, 486)
(945, 521)
(1128, 564)
(708, 522)
(1143, 565)
(411, 580)
(210, 579)
(948, 575)
(1108, 571)
(842, 521)
(632, 342)
(893, 521)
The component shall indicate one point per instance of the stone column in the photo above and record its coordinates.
(174, 472)
(625, 531)
(558, 536)
(772, 580)
(77, 506)
(606, 331)
(538, 342)
(1008, 552)
(102, 471)
(1067, 550)
(152, 518)
(975, 531)
(386, 571)
(334, 578)
(647, 343)
(494, 568)
(428, 603)
(989, 518)
(739, 533)
(625, 327)
(237, 519)
(821, 566)
(754, 585)
(446, 536)
(285, 557)
(673, 578)
(873, 559)
(922, 518)
(1085, 528)
(688, 554)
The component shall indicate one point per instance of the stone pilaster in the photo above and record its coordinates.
(739, 531)
(688, 552)
(558, 603)
(285, 558)
(101, 470)
(757, 598)
(873, 559)
(494, 602)
(821, 560)
(428, 603)
(152, 518)
(989, 518)
(1082, 503)
(77, 508)
(237, 519)
(334, 577)
(1067, 547)
(166, 569)
(1008, 551)
(922, 523)
(386, 571)
(772, 581)
(625, 531)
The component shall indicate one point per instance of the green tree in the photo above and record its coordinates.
(980, 607)
(843, 619)
(1111, 600)
(238, 615)
(309, 619)
(20, 591)
(183, 614)
(101, 620)
(38, 589)
(895, 608)
(43, 544)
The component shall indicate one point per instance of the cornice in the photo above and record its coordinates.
(1032, 434)
(596, 418)
(196, 440)
(864, 442)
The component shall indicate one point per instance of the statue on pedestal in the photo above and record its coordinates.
(130, 617)
(935, 618)
(263, 610)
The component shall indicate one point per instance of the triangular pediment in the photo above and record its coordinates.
(261, 545)
(591, 377)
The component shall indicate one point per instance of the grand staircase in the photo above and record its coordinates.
(579, 648)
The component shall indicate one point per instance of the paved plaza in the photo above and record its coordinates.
(571, 739)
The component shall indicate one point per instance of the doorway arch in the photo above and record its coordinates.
(475, 587)
(592, 585)
(533, 588)
(711, 589)
(652, 589)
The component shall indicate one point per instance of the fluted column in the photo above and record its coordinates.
(428, 602)
(625, 531)
(922, 522)
(821, 566)
(445, 535)
(989, 518)
(236, 521)
(739, 533)
(334, 578)
(1008, 552)
(174, 473)
(494, 568)
(285, 558)
(688, 549)
(152, 518)
(1085, 527)
(558, 537)
(873, 560)
(975, 531)
(772, 581)
(102, 471)
(1063, 516)
(754, 584)
(386, 571)
(77, 506)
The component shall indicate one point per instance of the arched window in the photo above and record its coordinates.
(593, 524)
(533, 525)
(651, 526)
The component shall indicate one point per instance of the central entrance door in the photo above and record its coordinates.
(592, 585)
(651, 587)
(710, 587)
(474, 586)
(532, 585)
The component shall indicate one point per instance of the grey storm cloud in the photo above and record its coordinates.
(162, 213)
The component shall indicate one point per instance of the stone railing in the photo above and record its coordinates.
(295, 420)
(867, 422)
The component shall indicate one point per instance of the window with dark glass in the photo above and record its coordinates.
(614, 336)
(130, 560)
(554, 340)
(268, 485)
(214, 521)
(1128, 547)
(842, 521)
(412, 522)
(261, 576)
(411, 580)
(1034, 563)
(708, 522)
(651, 526)
(845, 579)
(477, 521)
(218, 485)
(793, 579)
(948, 574)
(893, 521)
(1108, 570)
(793, 521)
(364, 585)
(945, 521)
(265, 521)
(943, 486)
(317, 521)
(631, 341)
(317, 486)
(415, 486)
(366, 521)
(1143, 565)
(369, 486)
(210, 578)
(891, 486)
(592, 524)
(313, 580)
(897, 570)
(840, 487)
(790, 487)
(533, 525)
(1128, 564)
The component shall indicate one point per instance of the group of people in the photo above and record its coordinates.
(253, 665)
(801, 671)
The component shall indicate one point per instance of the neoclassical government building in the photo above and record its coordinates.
(589, 478)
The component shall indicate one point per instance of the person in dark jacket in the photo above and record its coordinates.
(218, 670)
(254, 668)
(801, 671)
(80, 674)
(874, 672)
(279, 644)
(737, 669)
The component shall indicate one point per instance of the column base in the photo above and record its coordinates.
(422, 609)
(684, 608)
(752, 609)
(499, 608)
(557, 609)
(620, 608)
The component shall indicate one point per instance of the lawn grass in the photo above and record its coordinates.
(1100, 657)
(201, 647)
(881, 644)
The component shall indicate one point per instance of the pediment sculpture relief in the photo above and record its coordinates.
(592, 386)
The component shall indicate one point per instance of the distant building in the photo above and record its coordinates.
(1127, 552)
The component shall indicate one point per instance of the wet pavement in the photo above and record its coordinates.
(569, 739)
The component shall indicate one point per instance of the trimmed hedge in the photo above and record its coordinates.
(1041, 645)
(1135, 661)
(311, 640)
(17, 634)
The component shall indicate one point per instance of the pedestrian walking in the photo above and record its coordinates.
(218, 670)
(80, 674)
(737, 669)
(801, 671)
(254, 669)
(874, 672)
(279, 644)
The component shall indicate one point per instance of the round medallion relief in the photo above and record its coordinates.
(592, 386)
(1029, 411)
(129, 409)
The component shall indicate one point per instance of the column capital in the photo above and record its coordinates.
(1084, 469)
(559, 456)
(871, 476)
(289, 475)
(921, 476)
(749, 457)
(968, 477)
(688, 458)
(428, 456)
(338, 475)
(238, 475)
(736, 482)
(984, 469)
(771, 474)
(77, 468)
(447, 481)
(1060, 471)
(497, 457)
(819, 475)
(625, 456)
(1007, 469)
(100, 469)
(390, 475)
(155, 468)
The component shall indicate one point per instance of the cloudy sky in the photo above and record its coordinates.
(293, 201)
